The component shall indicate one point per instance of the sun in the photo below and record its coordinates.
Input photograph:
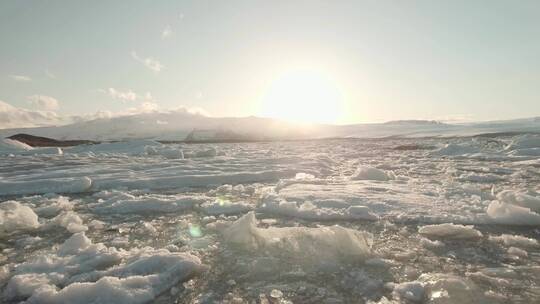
(303, 96)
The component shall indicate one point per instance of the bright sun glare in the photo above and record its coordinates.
(303, 96)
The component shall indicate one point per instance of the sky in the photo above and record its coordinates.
(324, 61)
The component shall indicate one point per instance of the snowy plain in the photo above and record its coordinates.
(430, 220)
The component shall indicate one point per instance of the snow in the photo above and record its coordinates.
(306, 244)
(450, 231)
(177, 124)
(14, 216)
(371, 173)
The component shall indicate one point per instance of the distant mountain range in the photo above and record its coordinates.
(179, 125)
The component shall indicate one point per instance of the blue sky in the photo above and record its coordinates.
(472, 60)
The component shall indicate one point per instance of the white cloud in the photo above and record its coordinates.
(148, 107)
(20, 78)
(124, 96)
(50, 74)
(145, 107)
(191, 110)
(151, 63)
(91, 116)
(455, 118)
(149, 98)
(44, 102)
(167, 32)
(14, 117)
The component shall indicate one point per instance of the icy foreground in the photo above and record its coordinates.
(342, 221)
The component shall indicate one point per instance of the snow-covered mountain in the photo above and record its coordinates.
(177, 125)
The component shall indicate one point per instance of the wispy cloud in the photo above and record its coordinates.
(14, 117)
(20, 78)
(50, 74)
(167, 32)
(149, 98)
(145, 107)
(151, 63)
(44, 102)
(91, 116)
(124, 96)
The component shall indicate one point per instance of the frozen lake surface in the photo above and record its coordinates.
(331, 221)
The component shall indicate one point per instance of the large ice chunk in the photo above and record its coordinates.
(449, 289)
(524, 142)
(508, 214)
(64, 185)
(370, 173)
(122, 202)
(450, 231)
(82, 272)
(310, 211)
(302, 243)
(456, 149)
(514, 240)
(226, 207)
(520, 199)
(8, 146)
(409, 291)
(14, 216)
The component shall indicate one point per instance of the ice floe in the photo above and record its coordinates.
(514, 240)
(509, 214)
(49, 207)
(309, 211)
(445, 288)
(83, 272)
(409, 291)
(61, 185)
(370, 173)
(122, 202)
(224, 206)
(69, 220)
(531, 201)
(450, 231)
(300, 243)
(14, 216)
(322, 237)
(10, 145)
